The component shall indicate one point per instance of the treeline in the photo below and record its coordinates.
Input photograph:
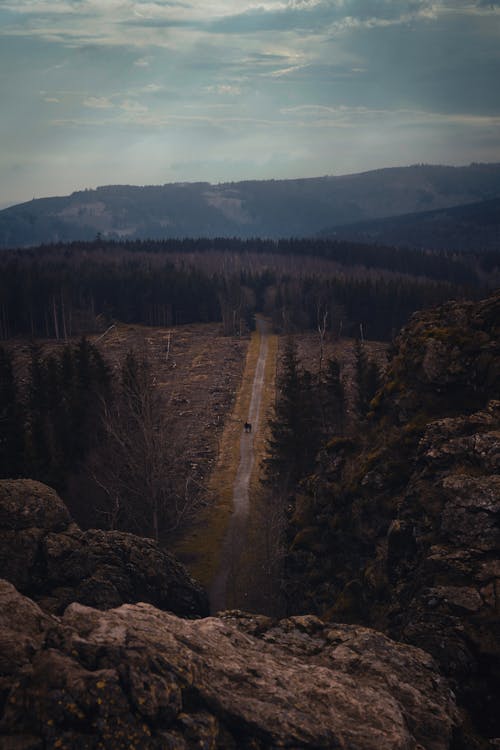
(371, 308)
(65, 291)
(311, 409)
(454, 267)
(103, 440)
(59, 298)
(50, 414)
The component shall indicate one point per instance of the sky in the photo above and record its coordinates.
(99, 92)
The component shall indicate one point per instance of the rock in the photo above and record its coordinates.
(408, 531)
(446, 361)
(50, 559)
(138, 677)
(452, 505)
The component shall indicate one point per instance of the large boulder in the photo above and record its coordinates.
(49, 558)
(138, 677)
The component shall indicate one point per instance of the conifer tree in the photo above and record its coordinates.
(333, 404)
(11, 421)
(367, 379)
(37, 453)
(295, 428)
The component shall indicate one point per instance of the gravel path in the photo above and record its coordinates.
(236, 533)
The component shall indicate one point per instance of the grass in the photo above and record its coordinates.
(200, 548)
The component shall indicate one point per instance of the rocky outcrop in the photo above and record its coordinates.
(138, 677)
(446, 363)
(443, 557)
(49, 558)
(400, 528)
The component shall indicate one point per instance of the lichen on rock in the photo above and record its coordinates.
(49, 558)
(138, 677)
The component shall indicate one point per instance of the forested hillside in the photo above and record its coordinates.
(267, 208)
(468, 228)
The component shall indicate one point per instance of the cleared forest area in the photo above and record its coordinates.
(193, 374)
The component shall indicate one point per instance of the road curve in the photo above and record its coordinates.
(235, 536)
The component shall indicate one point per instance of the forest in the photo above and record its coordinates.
(70, 419)
(59, 291)
(367, 431)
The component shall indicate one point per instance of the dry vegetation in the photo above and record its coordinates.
(197, 370)
(200, 549)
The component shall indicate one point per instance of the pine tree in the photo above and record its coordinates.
(37, 453)
(333, 403)
(11, 421)
(295, 428)
(367, 378)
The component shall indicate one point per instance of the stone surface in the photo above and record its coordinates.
(445, 586)
(46, 556)
(406, 527)
(138, 677)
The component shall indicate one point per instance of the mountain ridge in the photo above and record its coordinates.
(462, 228)
(298, 207)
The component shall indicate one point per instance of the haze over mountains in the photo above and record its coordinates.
(474, 226)
(270, 208)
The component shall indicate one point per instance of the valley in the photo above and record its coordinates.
(359, 512)
(250, 375)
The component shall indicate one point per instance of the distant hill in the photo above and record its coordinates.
(269, 208)
(475, 226)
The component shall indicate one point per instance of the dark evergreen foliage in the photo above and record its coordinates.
(296, 426)
(65, 290)
(367, 379)
(332, 400)
(51, 427)
(11, 421)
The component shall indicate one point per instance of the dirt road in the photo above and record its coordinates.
(236, 534)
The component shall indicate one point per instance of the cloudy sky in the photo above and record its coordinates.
(98, 92)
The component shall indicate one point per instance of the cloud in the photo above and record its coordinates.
(319, 15)
(152, 88)
(86, 20)
(125, 101)
(280, 72)
(225, 89)
(130, 105)
(328, 84)
(98, 102)
(317, 115)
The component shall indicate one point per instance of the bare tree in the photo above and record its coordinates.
(143, 478)
(321, 320)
